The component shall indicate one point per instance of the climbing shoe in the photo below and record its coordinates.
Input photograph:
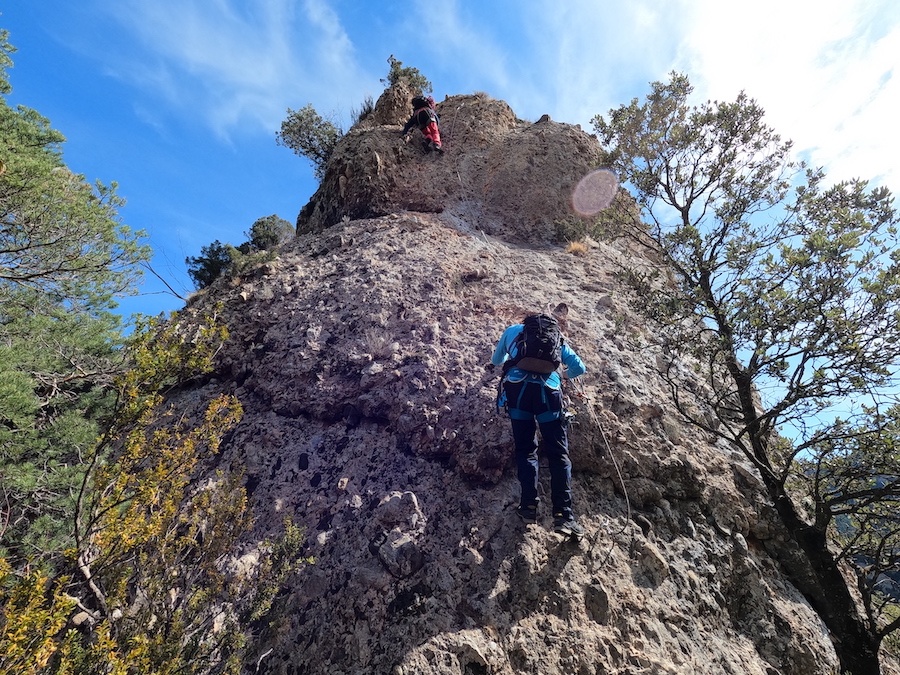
(568, 526)
(528, 513)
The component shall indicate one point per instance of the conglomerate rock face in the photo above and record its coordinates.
(498, 174)
(360, 355)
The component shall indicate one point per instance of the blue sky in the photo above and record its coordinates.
(179, 100)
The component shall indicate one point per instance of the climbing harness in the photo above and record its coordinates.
(570, 415)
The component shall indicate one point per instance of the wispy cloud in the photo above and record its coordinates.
(231, 62)
(822, 71)
(452, 35)
(591, 53)
(572, 60)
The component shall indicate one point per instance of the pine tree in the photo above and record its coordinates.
(64, 257)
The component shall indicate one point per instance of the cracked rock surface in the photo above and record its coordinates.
(360, 356)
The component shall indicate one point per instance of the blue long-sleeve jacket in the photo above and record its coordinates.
(505, 346)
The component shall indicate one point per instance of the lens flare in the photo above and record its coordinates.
(594, 192)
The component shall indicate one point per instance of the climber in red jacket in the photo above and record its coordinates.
(428, 122)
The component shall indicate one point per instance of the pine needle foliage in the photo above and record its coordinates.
(65, 257)
(113, 558)
(145, 588)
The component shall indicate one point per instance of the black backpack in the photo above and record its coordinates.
(538, 348)
(425, 116)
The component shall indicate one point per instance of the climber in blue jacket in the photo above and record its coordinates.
(532, 389)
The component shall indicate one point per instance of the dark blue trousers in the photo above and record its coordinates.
(533, 405)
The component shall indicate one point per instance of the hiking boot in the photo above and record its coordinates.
(568, 526)
(528, 513)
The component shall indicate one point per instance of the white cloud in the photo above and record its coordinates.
(823, 71)
(452, 36)
(572, 60)
(232, 63)
(600, 52)
(328, 41)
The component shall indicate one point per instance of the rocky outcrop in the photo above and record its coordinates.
(361, 355)
(499, 174)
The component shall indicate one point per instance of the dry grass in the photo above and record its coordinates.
(577, 248)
